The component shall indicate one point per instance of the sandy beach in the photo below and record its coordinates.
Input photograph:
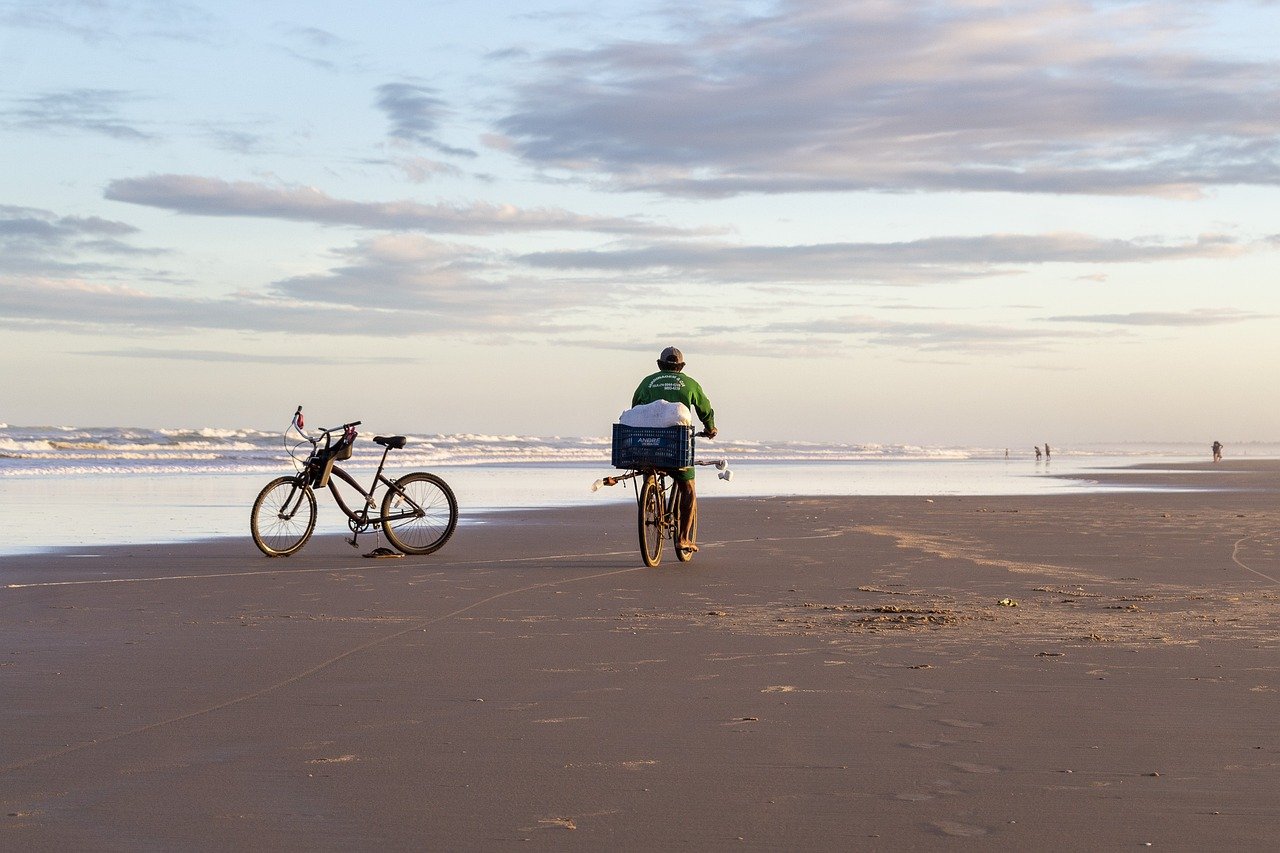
(864, 673)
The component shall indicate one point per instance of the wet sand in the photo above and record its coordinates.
(832, 673)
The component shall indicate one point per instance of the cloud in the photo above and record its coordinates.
(471, 288)
(224, 357)
(421, 169)
(29, 222)
(238, 141)
(75, 110)
(39, 242)
(1176, 319)
(415, 113)
(317, 37)
(77, 304)
(200, 196)
(921, 336)
(315, 42)
(396, 285)
(109, 21)
(1068, 96)
(835, 336)
(910, 262)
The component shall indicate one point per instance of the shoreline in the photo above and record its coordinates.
(827, 670)
(129, 506)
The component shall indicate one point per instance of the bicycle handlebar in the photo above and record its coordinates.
(344, 427)
(322, 432)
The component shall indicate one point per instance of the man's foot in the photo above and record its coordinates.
(689, 546)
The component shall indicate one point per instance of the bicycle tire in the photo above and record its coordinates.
(283, 517)
(434, 515)
(651, 510)
(681, 554)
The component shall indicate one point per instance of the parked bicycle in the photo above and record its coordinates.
(658, 503)
(417, 513)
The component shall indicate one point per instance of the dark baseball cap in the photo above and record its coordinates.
(671, 355)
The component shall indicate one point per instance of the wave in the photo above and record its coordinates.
(34, 451)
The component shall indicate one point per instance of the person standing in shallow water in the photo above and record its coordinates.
(671, 384)
(1217, 451)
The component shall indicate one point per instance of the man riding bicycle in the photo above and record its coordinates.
(670, 384)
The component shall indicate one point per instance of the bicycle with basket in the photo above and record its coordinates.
(418, 511)
(651, 455)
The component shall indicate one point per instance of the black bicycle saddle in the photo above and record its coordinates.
(395, 442)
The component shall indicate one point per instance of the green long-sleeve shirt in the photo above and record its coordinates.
(675, 387)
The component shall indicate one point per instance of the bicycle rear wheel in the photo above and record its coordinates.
(419, 514)
(283, 517)
(652, 499)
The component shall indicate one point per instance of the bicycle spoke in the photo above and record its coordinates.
(419, 514)
(283, 517)
(651, 521)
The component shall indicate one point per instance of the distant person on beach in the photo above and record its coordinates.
(1217, 451)
(671, 384)
(1046, 451)
(1037, 447)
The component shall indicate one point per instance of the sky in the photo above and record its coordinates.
(946, 222)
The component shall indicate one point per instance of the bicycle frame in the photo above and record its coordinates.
(370, 504)
(668, 492)
(672, 495)
(358, 520)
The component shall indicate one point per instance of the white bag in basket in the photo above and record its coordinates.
(659, 413)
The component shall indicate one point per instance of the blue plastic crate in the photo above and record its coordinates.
(652, 447)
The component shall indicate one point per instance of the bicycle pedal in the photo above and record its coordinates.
(352, 542)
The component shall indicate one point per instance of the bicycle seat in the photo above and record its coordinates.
(395, 442)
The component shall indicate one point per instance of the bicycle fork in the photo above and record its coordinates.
(292, 504)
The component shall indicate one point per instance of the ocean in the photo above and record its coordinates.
(80, 487)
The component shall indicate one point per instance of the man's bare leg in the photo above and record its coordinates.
(688, 514)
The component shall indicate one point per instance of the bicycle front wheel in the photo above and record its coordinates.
(283, 517)
(651, 510)
(419, 513)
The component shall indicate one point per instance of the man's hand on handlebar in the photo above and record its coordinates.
(709, 433)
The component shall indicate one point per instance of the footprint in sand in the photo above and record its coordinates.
(962, 724)
(930, 691)
(929, 744)
(956, 829)
(970, 767)
(556, 720)
(938, 789)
